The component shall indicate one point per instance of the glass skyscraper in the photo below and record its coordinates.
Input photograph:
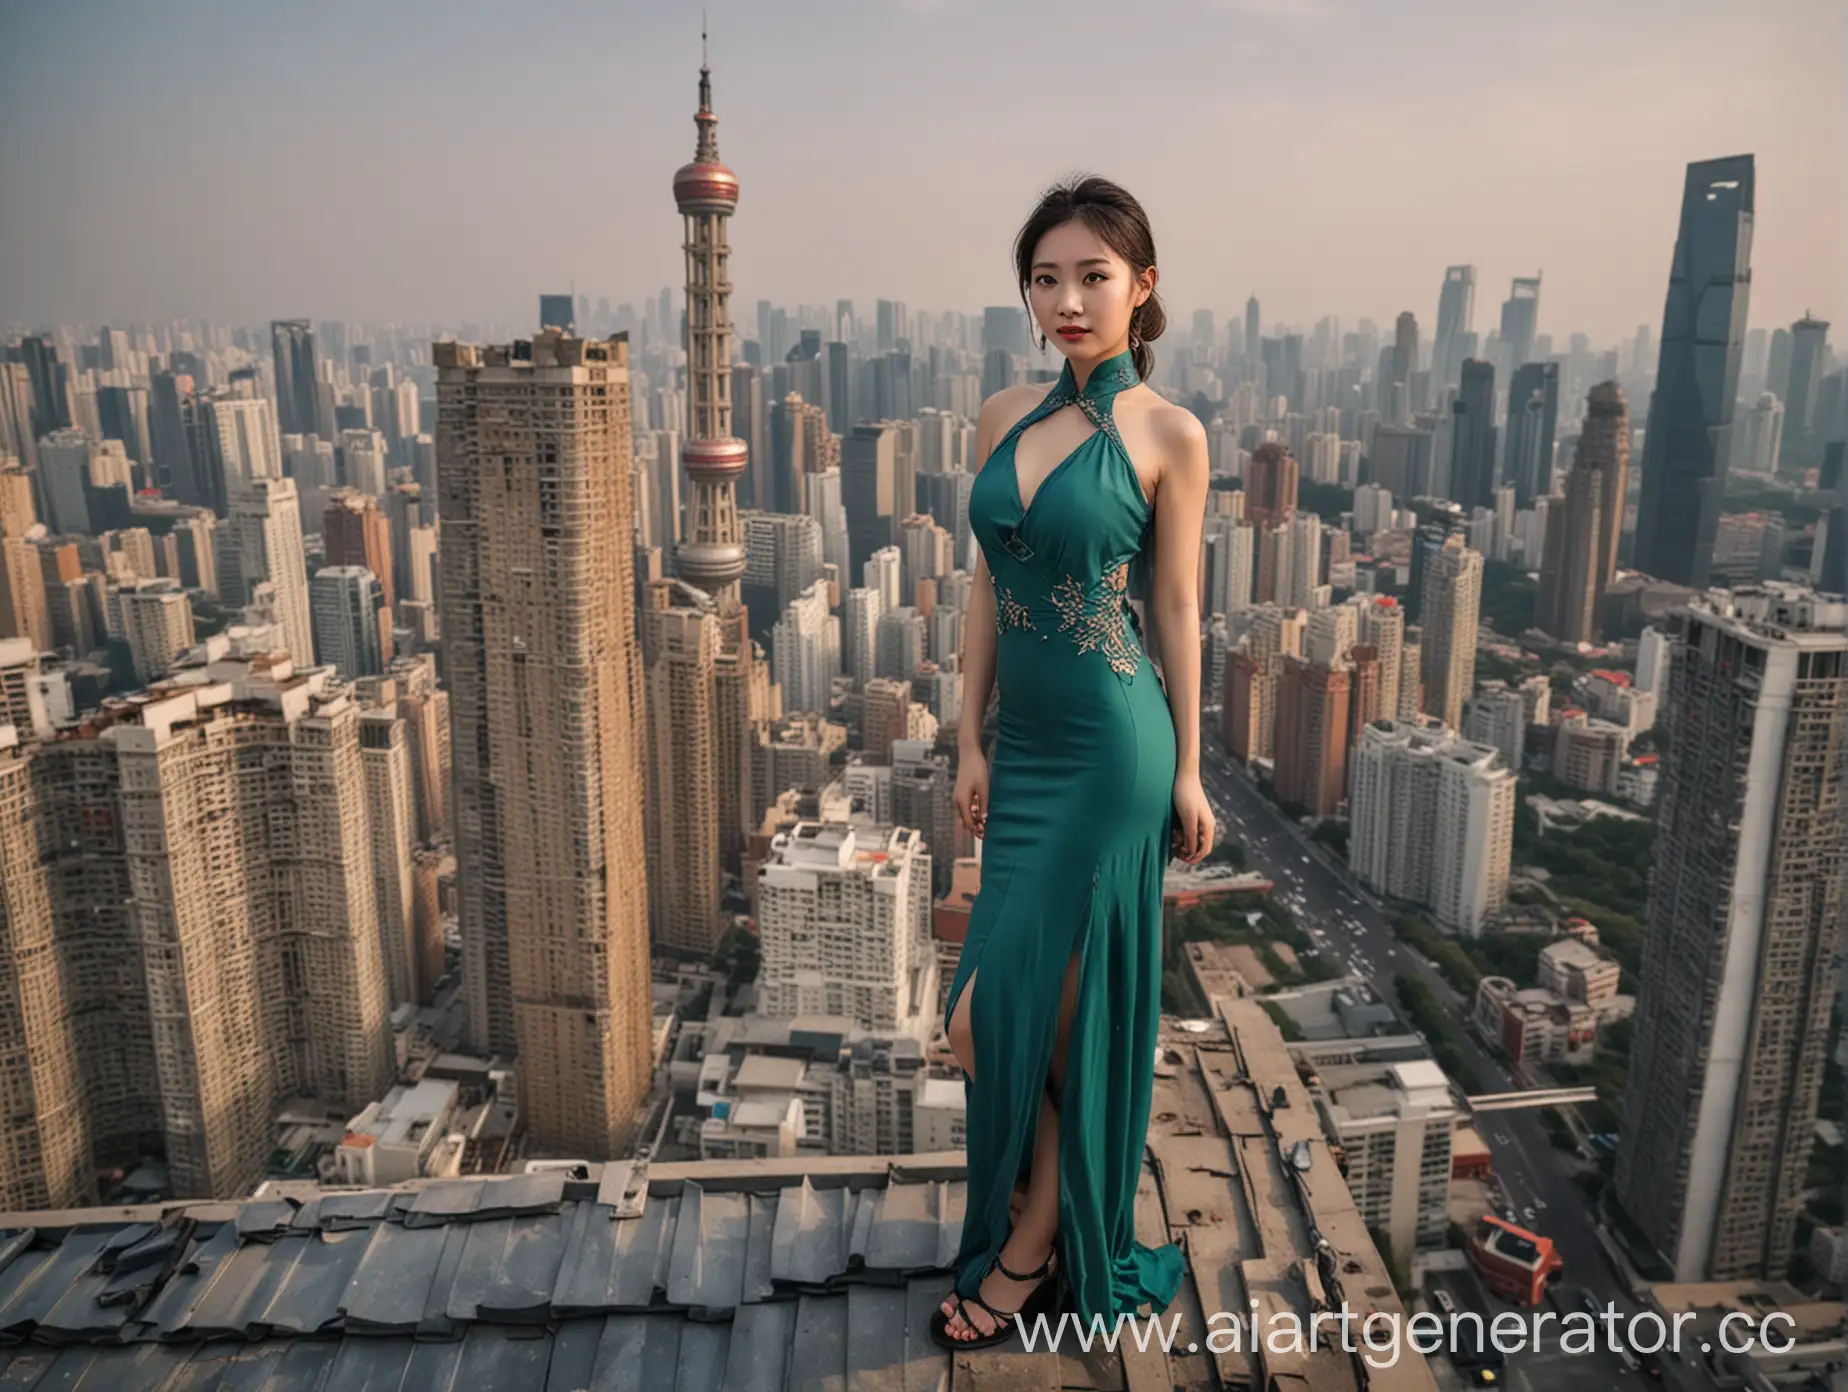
(1685, 446)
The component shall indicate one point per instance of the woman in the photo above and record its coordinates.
(1095, 782)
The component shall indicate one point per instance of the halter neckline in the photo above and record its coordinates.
(1112, 375)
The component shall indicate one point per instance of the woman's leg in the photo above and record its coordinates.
(1036, 1223)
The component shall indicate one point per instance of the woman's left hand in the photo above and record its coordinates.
(1193, 819)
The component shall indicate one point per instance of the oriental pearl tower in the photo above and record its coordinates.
(706, 192)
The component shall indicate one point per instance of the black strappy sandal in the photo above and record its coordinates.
(1006, 1322)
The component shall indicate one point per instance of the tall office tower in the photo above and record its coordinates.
(266, 546)
(124, 414)
(1763, 436)
(298, 378)
(168, 410)
(1400, 402)
(352, 626)
(706, 193)
(558, 312)
(1808, 360)
(1520, 317)
(1533, 417)
(50, 395)
(1270, 486)
(1829, 559)
(1449, 607)
(1003, 326)
(1472, 437)
(533, 443)
(155, 619)
(1686, 444)
(869, 488)
(1431, 820)
(1254, 329)
(64, 477)
(355, 532)
(1382, 628)
(1744, 917)
(1456, 308)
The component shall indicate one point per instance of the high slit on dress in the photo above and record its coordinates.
(1080, 812)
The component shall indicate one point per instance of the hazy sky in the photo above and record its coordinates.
(442, 159)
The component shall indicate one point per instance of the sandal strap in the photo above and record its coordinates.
(1000, 1317)
(1044, 1269)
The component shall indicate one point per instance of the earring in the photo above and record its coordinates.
(1042, 343)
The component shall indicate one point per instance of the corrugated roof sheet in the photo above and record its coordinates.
(760, 1276)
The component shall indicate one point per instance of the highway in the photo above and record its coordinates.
(1535, 1175)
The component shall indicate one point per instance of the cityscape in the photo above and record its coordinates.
(481, 879)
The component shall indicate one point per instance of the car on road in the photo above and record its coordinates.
(1528, 1213)
(1305, 860)
(1589, 1303)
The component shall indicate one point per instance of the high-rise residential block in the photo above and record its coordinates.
(1687, 442)
(1742, 927)
(545, 678)
(844, 926)
(1431, 819)
(1449, 607)
(265, 546)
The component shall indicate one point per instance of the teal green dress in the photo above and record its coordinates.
(1080, 811)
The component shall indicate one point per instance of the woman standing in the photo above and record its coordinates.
(1094, 783)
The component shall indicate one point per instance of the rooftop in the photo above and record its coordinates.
(737, 1276)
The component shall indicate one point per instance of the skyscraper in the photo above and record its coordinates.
(1270, 486)
(557, 312)
(1456, 308)
(1254, 329)
(1744, 916)
(1520, 318)
(706, 192)
(1808, 358)
(1687, 440)
(1448, 613)
(1472, 437)
(298, 384)
(535, 480)
(1533, 418)
(1582, 530)
(266, 546)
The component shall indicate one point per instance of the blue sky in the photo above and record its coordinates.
(405, 159)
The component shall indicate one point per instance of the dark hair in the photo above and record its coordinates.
(1120, 224)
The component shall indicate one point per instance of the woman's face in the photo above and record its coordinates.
(1078, 282)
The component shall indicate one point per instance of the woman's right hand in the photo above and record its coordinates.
(972, 792)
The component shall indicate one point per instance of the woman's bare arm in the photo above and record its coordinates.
(1180, 519)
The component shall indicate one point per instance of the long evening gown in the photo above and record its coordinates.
(1081, 787)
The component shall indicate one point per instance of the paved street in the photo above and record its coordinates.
(1534, 1174)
